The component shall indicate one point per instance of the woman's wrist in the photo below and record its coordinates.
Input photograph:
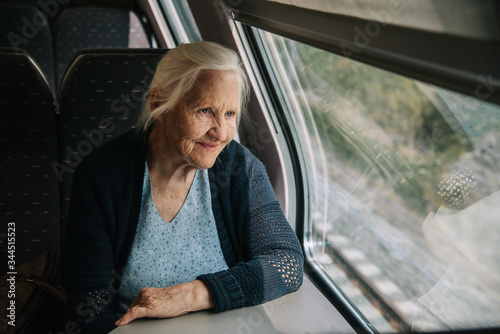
(200, 298)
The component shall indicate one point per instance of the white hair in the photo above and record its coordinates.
(177, 72)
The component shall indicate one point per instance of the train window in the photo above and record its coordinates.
(181, 21)
(402, 193)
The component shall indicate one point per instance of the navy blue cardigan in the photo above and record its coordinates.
(261, 250)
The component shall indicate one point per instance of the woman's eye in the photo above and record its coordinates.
(205, 110)
(230, 114)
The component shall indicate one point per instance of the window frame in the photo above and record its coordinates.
(431, 71)
(462, 64)
(324, 282)
(272, 104)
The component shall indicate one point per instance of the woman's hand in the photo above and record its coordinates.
(168, 302)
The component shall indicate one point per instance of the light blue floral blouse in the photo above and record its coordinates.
(165, 254)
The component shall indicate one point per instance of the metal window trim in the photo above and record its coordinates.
(177, 24)
(168, 39)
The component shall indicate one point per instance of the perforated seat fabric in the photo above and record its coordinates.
(80, 28)
(100, 99)
(28, 141)
(26, 28)
(52, 8)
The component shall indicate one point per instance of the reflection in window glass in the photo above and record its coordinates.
(404, 189)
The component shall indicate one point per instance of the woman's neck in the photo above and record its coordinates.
(163, 162)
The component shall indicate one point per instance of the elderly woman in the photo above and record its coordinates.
(175, 216)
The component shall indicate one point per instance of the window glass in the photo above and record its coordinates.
(181, 21)
(403, 185)
(472, 18)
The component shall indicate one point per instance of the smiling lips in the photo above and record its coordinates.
(210, 147)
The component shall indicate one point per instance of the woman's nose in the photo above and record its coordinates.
(218, 130)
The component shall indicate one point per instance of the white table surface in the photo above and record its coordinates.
(304, 311)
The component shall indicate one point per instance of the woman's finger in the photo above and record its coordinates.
(133, 313)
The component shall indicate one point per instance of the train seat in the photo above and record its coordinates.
(100, 98)
(30, 189)
(25, 27)
(93, 27)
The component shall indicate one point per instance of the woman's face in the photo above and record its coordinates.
(204, 121)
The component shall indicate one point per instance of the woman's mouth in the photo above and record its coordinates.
(209, 147)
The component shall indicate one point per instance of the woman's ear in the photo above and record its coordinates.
(154, 99)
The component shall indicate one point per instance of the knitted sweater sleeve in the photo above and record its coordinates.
(89, 259)
(271, 257)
